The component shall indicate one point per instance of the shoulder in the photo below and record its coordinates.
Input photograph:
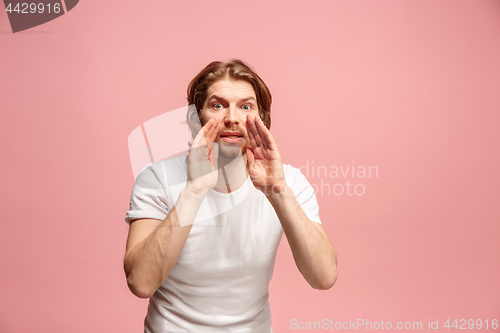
(291, 172)
(172, 164)
(303, 191)
(294, 178)
(169, 171)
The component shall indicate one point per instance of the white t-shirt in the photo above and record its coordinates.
(220, 281)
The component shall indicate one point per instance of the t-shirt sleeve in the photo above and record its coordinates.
(304, 193)
(148, 198)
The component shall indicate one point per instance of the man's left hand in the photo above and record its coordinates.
(264, 159)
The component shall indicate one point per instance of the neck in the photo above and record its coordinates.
(233, 175)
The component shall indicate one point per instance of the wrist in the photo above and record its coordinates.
(193, 193)
(278, 191)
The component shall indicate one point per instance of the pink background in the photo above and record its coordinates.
(407, 86)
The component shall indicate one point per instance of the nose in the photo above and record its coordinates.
(231, 117)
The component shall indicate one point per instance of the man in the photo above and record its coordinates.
(204, 229)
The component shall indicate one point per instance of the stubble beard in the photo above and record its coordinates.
(229, 152)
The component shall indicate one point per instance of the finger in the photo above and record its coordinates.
(258, 136)
(200, 137)
(216, 130)
(250, 133)
(266, 135)
(211, 135)
(255, 131)
(214, 133)
(211, 132)
(250, 157)
(214, 156)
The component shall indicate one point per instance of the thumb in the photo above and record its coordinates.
(214, 151)
(250, 157)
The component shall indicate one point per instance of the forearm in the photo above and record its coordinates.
(313, 253)
(150, 262)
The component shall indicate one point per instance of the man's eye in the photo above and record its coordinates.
(247, 107)
(217, 106)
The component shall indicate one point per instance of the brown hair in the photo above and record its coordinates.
(216, 71)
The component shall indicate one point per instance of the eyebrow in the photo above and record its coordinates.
(223, 99)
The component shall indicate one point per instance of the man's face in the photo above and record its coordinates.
(230, 101)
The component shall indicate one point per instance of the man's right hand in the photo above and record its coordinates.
(154, 246)
(202, 159)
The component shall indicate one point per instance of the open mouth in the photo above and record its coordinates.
(232, 137)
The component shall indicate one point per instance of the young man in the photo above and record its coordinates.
(204, 229)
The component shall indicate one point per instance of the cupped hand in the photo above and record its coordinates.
(202, 159)
(264, 159)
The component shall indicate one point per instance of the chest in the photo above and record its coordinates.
(240, 240)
